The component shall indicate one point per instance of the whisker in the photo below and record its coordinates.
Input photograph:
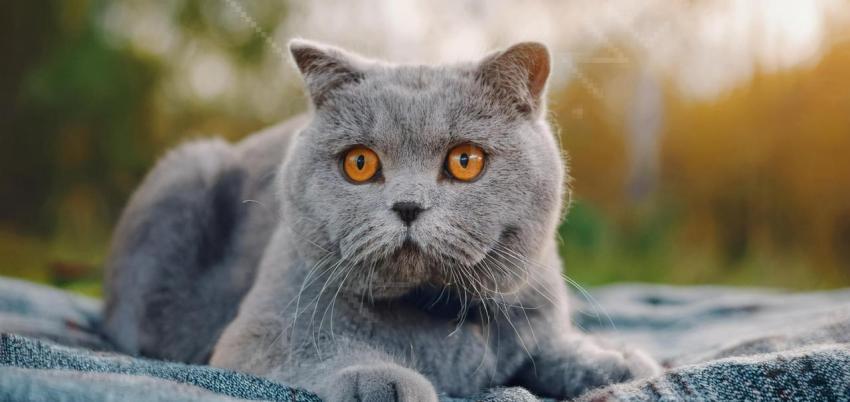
(572, 282)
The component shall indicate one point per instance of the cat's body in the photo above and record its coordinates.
(397, 287)
(189, 243)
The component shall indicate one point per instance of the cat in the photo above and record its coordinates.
(395, 244)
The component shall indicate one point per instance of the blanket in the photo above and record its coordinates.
(717, 343)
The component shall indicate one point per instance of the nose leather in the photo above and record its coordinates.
(407, 211)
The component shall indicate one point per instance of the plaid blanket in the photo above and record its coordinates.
(717, 343)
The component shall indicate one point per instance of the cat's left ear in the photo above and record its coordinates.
(518, 75)
(324, 68)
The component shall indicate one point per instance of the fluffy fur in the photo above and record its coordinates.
(345, 299)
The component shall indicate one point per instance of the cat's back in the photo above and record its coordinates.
(187, 245)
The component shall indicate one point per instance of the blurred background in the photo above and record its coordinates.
(709, 141)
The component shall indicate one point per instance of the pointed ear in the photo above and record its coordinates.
(518, 75)
(324, 68)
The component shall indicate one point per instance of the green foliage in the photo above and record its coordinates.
(598, 249)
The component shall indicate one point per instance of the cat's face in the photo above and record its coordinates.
(416, 175)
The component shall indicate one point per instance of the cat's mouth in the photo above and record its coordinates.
(410, 249)
(415, 259)
(409, 245)
(467, 253)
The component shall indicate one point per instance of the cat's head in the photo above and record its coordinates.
(411, 175)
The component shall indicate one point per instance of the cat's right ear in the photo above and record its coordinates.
(324, 68)
(518, 75)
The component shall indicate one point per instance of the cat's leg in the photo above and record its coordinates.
(567, 365)
(260, 341)
(343, 371)
(162, 293)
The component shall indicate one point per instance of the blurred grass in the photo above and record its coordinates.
(597, 251)
(70, 263)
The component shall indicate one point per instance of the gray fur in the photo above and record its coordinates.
(345, 299)
(187, 246)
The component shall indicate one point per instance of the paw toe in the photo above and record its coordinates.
(381, 383)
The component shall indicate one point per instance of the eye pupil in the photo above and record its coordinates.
(360, 164)
(464, 160)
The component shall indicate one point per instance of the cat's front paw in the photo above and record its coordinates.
(640, 364)
(614, 366)
(380, 383)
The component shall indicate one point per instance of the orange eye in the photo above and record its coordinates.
(465, 162)
(360, 164)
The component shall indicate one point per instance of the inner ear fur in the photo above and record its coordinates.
(324, 68)
(518, 75)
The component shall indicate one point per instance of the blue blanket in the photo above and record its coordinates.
(717, 343)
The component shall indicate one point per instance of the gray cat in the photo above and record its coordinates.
(404, 247)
